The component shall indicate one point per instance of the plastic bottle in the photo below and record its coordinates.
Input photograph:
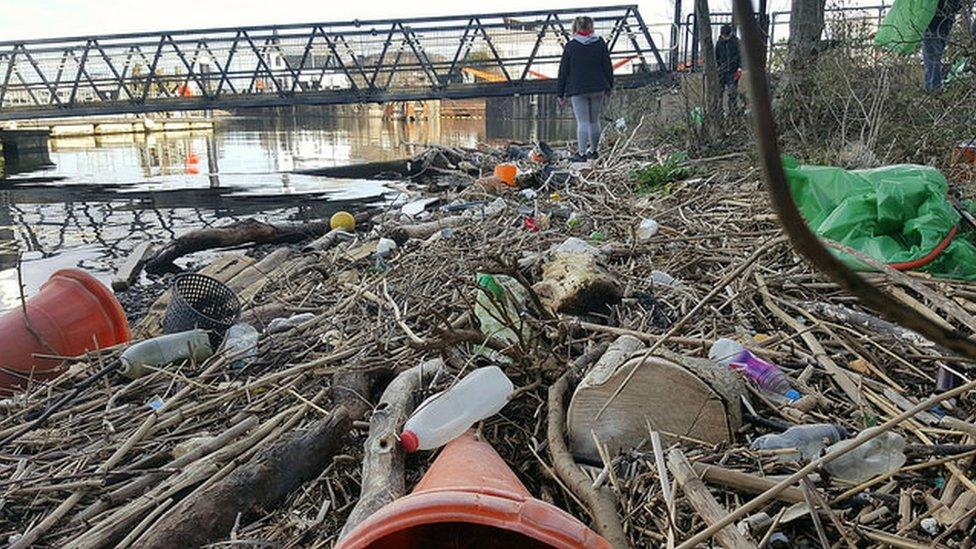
(768, 377)
(807, 440)
(241, 344)
(163, 350)
(878, 456)
(281, 324)
(446, 416)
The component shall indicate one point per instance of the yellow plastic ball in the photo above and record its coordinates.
(343, 220)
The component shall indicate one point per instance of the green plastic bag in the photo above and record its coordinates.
(901, 31)
(894, 214)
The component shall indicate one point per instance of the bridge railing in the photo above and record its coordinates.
(342, 62)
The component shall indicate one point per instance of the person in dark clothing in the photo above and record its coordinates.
(934, 41)
(729, 65)
(586, 78)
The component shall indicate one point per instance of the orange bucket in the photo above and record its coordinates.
(73, 313)
(468, 495)
(506, 172)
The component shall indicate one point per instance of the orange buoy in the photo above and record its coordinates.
(73, 313)
(469, 493)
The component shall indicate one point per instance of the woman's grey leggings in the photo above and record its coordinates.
(587, 108)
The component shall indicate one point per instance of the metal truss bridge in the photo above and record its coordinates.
(456, 57)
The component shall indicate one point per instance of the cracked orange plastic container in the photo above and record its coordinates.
(470, 498)
(507, 173)
(73, 313)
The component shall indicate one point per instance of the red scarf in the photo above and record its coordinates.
(584, 32)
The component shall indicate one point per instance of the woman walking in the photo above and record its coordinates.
(586, 77)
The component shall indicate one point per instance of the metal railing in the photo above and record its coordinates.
(319, 63)
(778, 28)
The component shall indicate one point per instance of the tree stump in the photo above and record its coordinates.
(675, 395)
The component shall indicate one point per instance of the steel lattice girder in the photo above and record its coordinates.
(322, 63)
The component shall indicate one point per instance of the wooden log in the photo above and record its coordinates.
(131, 267)
(710, 510)
(421, 231)
(383, 474)
(676, 395)
(600, 501)
(328, 240)
(577, 283)
(387, 169)
(259, 485)
(249, 231)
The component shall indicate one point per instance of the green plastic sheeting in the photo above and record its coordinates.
(901, 31)
(894, 214)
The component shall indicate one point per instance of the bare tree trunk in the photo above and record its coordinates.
(713, 88)
(806, 27)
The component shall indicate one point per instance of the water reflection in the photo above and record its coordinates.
(106, 194)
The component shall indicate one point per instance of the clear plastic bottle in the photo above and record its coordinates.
(768, 377)
(807, 440)
(241, 344)
(163, 350)
(446, 416)
(878, 456)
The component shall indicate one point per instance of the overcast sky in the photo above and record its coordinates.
(23, 19)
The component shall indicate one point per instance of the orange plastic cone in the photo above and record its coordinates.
(73, 313)
(470, 498)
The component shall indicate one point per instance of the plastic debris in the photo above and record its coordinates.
(446, 416)
(281, 324)
(385, 247)
(878, 456)
(140, 359)
(646, 229)
(767, 376)
(242, 344)
(806, 440)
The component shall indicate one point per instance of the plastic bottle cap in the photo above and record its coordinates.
(409, 441)
(793, 394)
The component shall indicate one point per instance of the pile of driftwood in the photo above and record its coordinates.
(299, 443)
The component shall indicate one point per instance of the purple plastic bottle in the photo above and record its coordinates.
(768, 377)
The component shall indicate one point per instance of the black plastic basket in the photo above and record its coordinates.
(201, 302)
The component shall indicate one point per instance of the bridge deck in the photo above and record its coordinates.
(321, 63)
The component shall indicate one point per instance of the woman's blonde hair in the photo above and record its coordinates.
(582, 23)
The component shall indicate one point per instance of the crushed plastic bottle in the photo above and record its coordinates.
(242, 344)
(163, 350)
(646, 229)
(573, 245)
(768, 377)
(662, 278)
(446, 416)
(498, 307)
(806, 440)
(881, 455)
(281, 324)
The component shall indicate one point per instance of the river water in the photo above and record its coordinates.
(105, 195)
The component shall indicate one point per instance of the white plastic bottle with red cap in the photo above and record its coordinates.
(446, 416)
